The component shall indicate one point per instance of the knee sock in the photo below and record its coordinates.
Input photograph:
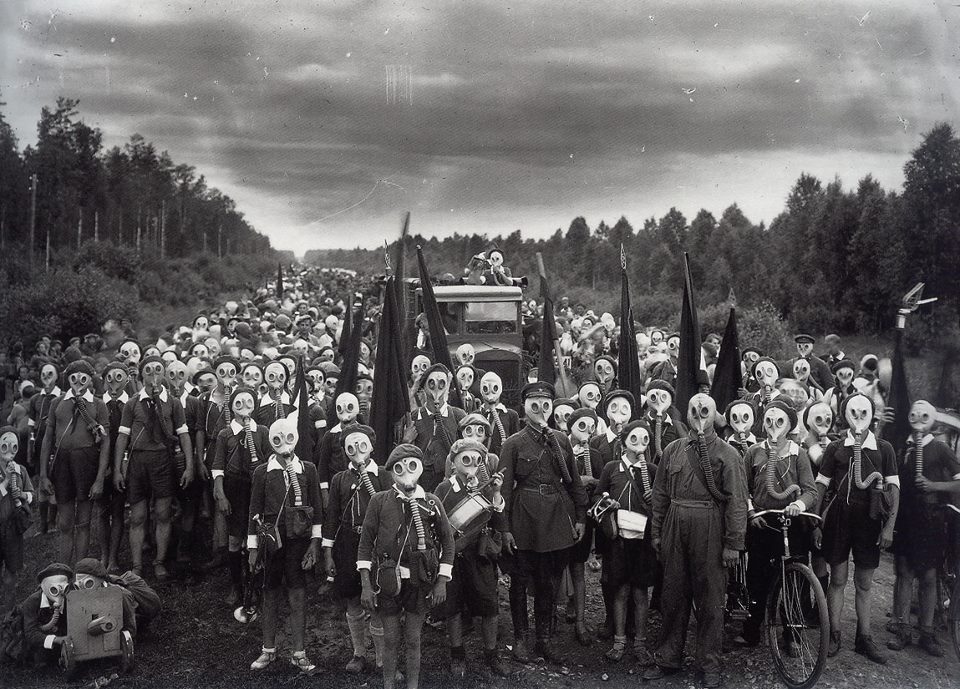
(376, 634)
(356, 626)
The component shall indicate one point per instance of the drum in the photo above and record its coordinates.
(632, 524)
(471, 512)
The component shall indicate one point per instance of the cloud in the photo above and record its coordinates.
(325, 120)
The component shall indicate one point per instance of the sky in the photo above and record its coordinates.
(326, 120)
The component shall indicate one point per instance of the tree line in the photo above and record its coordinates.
(835, 258)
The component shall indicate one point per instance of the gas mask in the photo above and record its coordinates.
(561, 415)
(466, 464)
(741, 418)
(465, 377)
(252, 376)
(466, 354)
(243, 405)
(819, 419)
(176, 376)
(207, 381)
(227, 375)
(858, 413)
(475, 431)
(582, 430)
(200, 351)
(659, 400)
(330, 384)
(491, 387)
(844, 377)
(54, 587)
(275, 375)
(637, 441)
(364, 353)
(48, 376)
(766, 374)
(315, 378)
(116, 380)
(656, 337)
(589, 395)
(603, 370)
(437, 388)
(348, 406)
(358, 449)
(153, 375)
(406, 474)
(326, 355)
(201, 324)
(284, 436)
(152, 350)
(169, 356)
(776, 425)
(79, 382)
(9, 446)
(923, 416)
(130, 353)
(538, 410)
(673, 347)
(364, 394)
(801, 369)
(213, 346)
(300, 347)
(419, 365)
(247, 354)
(619, 412)
(701, 413)
(291, 366)
(496, 260)
(804, 349)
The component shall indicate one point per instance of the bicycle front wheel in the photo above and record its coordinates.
(798, 626)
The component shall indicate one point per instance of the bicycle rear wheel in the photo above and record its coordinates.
(798, 626)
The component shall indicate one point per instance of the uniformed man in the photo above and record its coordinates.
(545, 512)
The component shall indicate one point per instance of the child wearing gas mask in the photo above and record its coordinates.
(779, 476)
(407, 535)
(285, 522)
(45, 613)
(240, 448)
(16, 496)
(617, 406)
(116, 379)
(472, 500)
(503, 422)
(328, 454)
(349, 495)
(434, 427)
(629, 560)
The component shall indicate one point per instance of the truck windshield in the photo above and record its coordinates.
(490, 317)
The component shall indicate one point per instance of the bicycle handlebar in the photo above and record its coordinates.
(811, 515)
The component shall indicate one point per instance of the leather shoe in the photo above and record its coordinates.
(866, 647)
(545, 648)
(520, 652)
(834, 647)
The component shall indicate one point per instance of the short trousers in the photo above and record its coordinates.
(284, 565)
(630, 561)
(11, 546)
(149, 475)
(849, 528)
(74, 472)
(473, 588)
(346, 584)
(237, 490)
(412, 599)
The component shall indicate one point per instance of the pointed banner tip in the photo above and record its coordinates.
(623, 257)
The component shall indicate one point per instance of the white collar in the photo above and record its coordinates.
(870, 443)
(455, 483)
(88, 395)
(624, 464)
(499, 406)
(122, 399)
(267, 399)
(924, 441)
(188, 387)
(56, 392)
(44, 601)
(336, 429)
(749, 437)
(611, 436)
(274, 465)
(444, 411)
(371, 468)
(666, 420)
(418, 494)
(144, 395)
(237, 427)
(792, 448)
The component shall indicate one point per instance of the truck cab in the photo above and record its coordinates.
(488, 318)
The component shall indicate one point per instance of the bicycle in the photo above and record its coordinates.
(952, 604)
(798, 625)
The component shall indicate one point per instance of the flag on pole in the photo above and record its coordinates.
(390, 400)
(345, 331)
(897, 431)
(688, 361)
(279, 282)
(727, 376)
(438, 336)
(628, 364)
(547, 370)
(351, 356)
(304, 424)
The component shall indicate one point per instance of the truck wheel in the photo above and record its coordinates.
(127, 661)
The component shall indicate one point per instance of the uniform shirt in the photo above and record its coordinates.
(452, 492)
(329, 456)
(508, 417)
(670, 430)
(877, 455)
(38, 409)
(66, 429)
(939, 464)
(137, 421)
(435, 448)
(232, 456)
(6, 499)
(348, 500)
(793, 468)
(192, 410)
(114, 414)
(388, 530)
(615, 480)
(541, 511)
(37, 612)
(271, 492)
(267, 413)
(677, 480)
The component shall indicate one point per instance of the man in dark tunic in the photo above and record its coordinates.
(545, 510)
(699, 522)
